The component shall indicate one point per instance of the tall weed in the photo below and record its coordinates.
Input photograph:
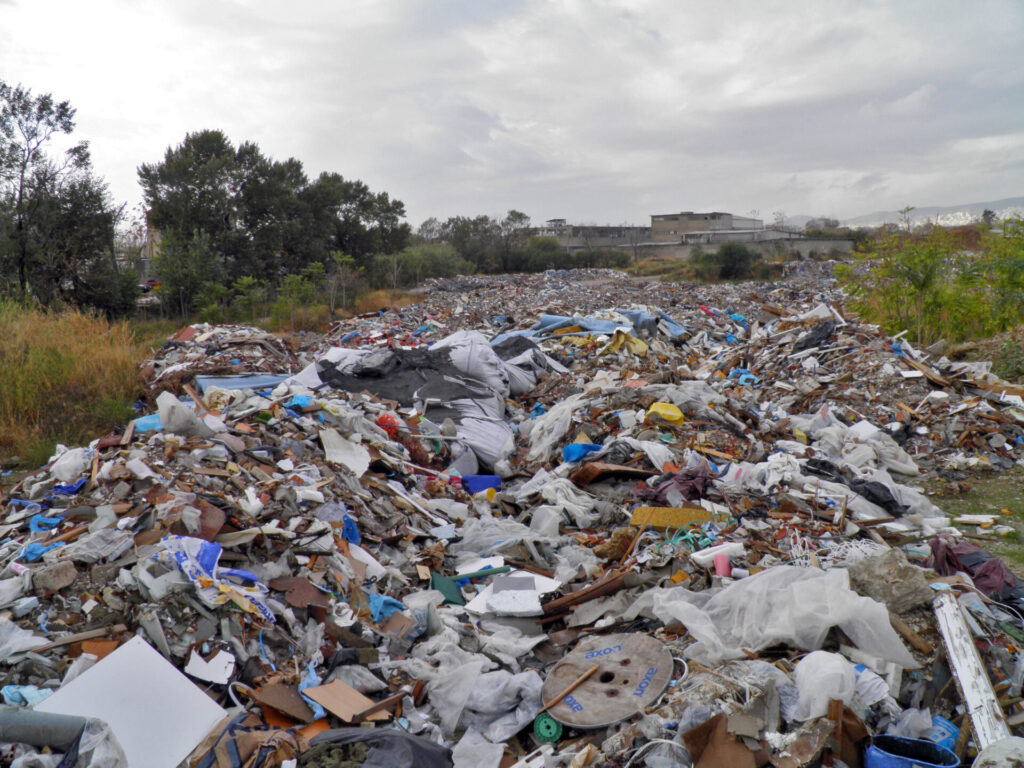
(64, 377)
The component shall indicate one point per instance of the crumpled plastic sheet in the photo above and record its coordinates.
(70, 462)
(912, 724)
(695, 398)
(501, 704)
(821, 677)
(178, 418)
(782, 605)
(471, 353)
(450, 692)
(549, 428)
(474, 751)
(14, 639)
(486, 535)
(13, 588)
(506, 642)
(97, 748)
(578, 505)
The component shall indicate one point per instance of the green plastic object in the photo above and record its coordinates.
(449, 586)
(546, 728)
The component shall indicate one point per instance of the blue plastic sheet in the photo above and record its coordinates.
(576, 451)
(38, 523)
(349, 530)
(473, 484)
(71, 488)
(383, 607)
(34, 551)
(255, 381)
(23, 695)
(638, 319)
(310, 680)
(149, 423)
(741, 320)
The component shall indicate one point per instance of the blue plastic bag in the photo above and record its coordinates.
(576, 451)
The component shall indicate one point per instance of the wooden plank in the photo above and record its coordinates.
(907, 633)
(91, 634)
(669, 517)
(196, 398)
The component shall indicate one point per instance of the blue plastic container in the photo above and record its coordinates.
(896, 752)
(943, 733)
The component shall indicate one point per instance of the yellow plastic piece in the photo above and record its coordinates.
(666, 412)
(623, 340)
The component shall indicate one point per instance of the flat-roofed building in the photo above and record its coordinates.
(688, 226)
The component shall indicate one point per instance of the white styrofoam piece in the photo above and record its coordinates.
(157, 714)
(482, 602)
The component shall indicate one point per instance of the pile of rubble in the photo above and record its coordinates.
(568, 519)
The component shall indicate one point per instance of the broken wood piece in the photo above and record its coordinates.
(612, 583)
(987, 719)
(126, 438)
(196, 398)
(669, 517)
(90, 634)
(570, 688)
(380, 706)
(345, 702)
(908, 634)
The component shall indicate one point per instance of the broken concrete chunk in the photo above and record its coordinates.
(53, 578)
(891, 579)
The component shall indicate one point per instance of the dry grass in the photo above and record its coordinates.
(375, 301)
(316, 317)
(64, 377)
(665, 268)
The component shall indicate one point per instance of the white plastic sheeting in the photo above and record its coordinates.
(784, 605)
(549, 428)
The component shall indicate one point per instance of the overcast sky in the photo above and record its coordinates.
(601, 111)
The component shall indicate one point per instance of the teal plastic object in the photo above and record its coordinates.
(546, 728)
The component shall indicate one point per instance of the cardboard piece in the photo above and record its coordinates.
(284, 699)
(157, 714)
(343, 701)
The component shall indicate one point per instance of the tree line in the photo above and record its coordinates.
(57, 221)
(235, 231)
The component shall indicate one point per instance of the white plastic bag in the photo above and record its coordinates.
(821, 677)
(178, 418)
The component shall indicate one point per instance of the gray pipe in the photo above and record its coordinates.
(40, 729)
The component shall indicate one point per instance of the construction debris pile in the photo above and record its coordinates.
(552, 520)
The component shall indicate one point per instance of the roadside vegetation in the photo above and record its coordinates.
(67, 377)
(956, 285)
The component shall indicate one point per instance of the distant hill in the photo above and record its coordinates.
(947, 216)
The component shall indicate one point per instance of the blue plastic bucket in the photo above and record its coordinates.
(943, 733)
(896, 752)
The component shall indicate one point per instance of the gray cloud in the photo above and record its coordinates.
(601, 111)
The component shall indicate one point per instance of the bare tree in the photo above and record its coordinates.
(905, 213)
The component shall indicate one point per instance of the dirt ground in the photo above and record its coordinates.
(996, 493)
